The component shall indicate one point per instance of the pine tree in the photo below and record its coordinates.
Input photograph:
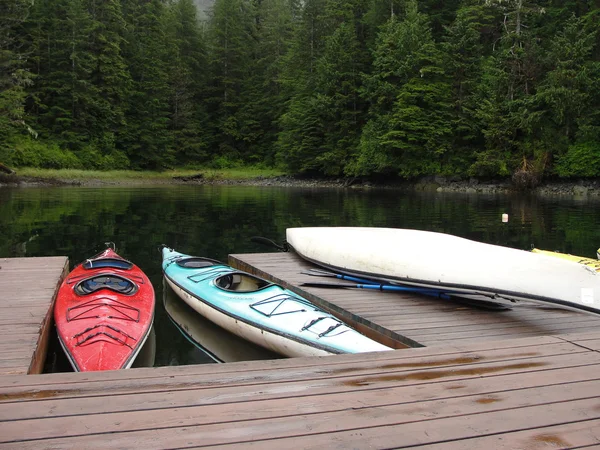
(463, 47)
(568, 96)
(14, 77)
(324, 82)
(263, 97)
(505, 96)
(338, 82)
(109, 75)
(232, 44)
(408, 94)
(188, 79)
(62, 63)
(147, 139)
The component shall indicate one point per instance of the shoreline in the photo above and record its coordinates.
(578, 188)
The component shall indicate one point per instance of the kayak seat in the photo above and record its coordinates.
(241, 282)
(107, 281)
(113, 263)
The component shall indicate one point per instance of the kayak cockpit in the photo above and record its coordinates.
(106, 281)
(241, 282)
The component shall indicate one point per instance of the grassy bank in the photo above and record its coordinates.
(148, 176)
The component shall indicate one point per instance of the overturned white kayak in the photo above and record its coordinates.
(442, 261)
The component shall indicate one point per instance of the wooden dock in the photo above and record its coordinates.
(479, 387)
(533, 393)
(411, 319)
(28, 287)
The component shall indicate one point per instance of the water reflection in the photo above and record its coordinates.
(215, 221)
(212, 341)
(147, 354)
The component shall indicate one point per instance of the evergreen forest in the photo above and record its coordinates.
(343, 88)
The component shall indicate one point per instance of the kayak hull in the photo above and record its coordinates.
(270, 316)
(214, 341)
(442, 261)
(104, 313)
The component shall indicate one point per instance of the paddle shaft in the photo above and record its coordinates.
(381, 287)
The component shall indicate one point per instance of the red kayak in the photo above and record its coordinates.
(104, 312)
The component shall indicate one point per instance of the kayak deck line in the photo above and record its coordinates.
(124, 311)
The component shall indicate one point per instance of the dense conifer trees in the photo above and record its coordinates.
(332, 87)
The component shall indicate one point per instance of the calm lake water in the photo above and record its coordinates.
(215, 221)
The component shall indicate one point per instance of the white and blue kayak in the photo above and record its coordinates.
(260, 311)
(448, 263)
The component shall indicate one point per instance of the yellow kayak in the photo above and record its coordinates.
(594, 263)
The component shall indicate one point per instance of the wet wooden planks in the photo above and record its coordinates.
(541, 392)
(411, 319)
(28, 288)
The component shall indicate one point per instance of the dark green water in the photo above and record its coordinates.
(215, 221)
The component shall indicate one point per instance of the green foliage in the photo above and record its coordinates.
(28, 152)
(232, 46)
(93, 158)
(582, 158)
(14, 78)
(332, 87)
(146, 138)
(371, 160)
(301, 135)
(410, 123)
(187, 82)
(564, 95)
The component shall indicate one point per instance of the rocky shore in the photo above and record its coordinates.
(578, 188)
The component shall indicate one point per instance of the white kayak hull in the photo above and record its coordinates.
(216, 342)
(271, 341)
(443, 261)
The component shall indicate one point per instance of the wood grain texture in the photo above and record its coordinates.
(28, 289)
(542, 392)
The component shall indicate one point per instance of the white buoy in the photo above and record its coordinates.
(504, 217)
